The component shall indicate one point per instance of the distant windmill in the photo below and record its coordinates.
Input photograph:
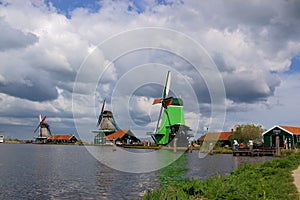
(106, 120)
(106, 124)
(44, 130)
(109, 132)
(170, 123)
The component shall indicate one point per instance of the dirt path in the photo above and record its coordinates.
(296, 175)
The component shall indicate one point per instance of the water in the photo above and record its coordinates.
(29, 171)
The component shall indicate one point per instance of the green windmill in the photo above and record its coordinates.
(171, 121)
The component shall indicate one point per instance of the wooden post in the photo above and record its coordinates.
(114, 145)
(190, 147)
(277, 146)
(210, 148)
(175, 145)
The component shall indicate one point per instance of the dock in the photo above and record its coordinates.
(254, 152)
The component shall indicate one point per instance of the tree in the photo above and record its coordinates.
(246, 132)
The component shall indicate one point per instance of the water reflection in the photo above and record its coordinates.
(218, 164)
(70, 172)
(113, 184)
(133, 161)
(174, 172)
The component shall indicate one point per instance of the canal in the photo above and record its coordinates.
(30, 171)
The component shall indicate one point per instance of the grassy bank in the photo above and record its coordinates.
(269, 180)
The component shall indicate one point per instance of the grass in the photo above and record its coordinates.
(268, 180)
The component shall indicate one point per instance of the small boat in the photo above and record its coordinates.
(1, 138)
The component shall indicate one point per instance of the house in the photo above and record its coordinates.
(123, 137)
(223, 137)
(60, 139)
(110, 132)
(289, 136)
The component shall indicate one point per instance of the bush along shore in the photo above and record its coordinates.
(268, 180)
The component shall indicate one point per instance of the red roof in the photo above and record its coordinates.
(292, 129)
(216, 136)
(60, 137)
(116, 135)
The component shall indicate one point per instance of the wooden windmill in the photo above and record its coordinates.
(109, 132)
(106, 120)
(44, 130)
(106, 124)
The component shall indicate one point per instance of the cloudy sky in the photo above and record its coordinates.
(232, 62)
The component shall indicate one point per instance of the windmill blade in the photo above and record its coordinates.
(157, 125)
(36, 129)
(103, 106)
(100, 115)
(167, 85)
(164, 95)
(156, 101)
(41, 122)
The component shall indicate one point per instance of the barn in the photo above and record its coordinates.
(223, 137)
(289, 136)
(61, 139)
(123, 137)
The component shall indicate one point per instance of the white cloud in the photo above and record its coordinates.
(43, 52)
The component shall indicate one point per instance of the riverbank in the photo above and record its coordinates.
(268, 180)
(16, 141)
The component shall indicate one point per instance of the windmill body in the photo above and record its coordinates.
(45, 130)
(108, 122)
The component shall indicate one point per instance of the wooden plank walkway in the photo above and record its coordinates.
(254, 152)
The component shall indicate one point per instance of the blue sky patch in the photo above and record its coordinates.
(67, 6)
(295, 65)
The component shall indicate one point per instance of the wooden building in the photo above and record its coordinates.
(224, 138)
(289, 136)
(110, 132)
(123, 137)
(61, 139)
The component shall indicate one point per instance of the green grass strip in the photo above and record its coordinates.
(268, 180)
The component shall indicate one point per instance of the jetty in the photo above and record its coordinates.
(255, 152)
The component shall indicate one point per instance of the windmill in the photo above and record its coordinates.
(109, 130)
(44, 130)
(106, 121)
(106, 124)
(170, 123)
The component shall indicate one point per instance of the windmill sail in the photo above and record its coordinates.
(167, 85)
(164, 95)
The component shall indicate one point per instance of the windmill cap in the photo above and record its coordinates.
(107, 113)
(177, 102)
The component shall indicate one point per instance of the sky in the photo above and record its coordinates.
(232, 62)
